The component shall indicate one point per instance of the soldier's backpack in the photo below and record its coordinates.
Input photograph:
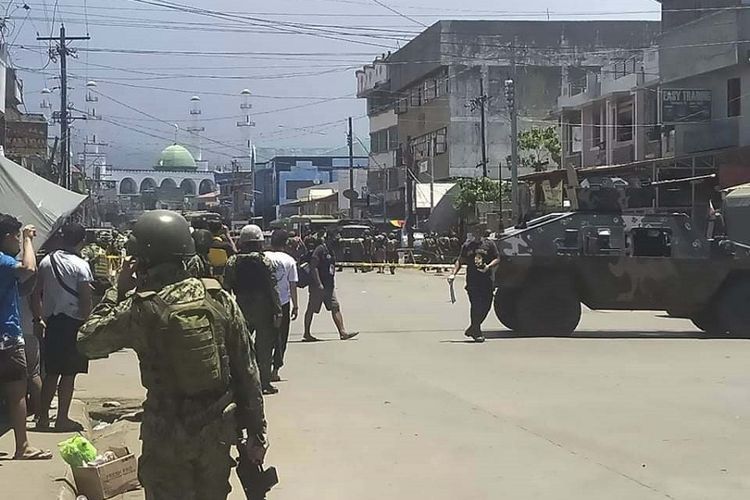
(190, 338)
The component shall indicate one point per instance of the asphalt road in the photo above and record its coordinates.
(634, 406)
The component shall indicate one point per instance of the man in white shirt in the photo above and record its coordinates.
(286, 282)
(60, 304)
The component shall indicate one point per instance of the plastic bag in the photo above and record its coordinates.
(76, 451)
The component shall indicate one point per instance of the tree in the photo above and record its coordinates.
(479, 189)
(539, 148)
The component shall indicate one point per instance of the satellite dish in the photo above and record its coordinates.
(351, 194)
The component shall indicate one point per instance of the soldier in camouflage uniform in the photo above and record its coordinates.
(197, 364)
(250, 275)
(95, 254)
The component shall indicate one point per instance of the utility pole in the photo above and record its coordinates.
(408, 156)
(510, 96)
(63, 51)
(350, 141)
(481, 104)
(432, 174)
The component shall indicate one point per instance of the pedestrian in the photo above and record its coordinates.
(61, 302)
(197, 364)
(480, 256)
(322, 292)
(15, 276)
(250, 275)
(286, 284)
(32, 347)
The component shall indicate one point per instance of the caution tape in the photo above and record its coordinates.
(375, 265)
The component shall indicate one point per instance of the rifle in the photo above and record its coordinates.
(256, 481)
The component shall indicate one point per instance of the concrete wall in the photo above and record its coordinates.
(700, 46)
(722, 131)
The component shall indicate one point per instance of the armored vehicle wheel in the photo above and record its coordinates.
(548, 306)
(733, 308)
(506, 308)
(708, 320)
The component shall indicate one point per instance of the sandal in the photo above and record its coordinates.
(34, 455)
(310, 339)
(69, 426)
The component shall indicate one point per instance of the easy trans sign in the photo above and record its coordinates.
(685, 105)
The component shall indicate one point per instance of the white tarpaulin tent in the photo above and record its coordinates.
(33, 199)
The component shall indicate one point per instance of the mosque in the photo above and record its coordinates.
(175, 182)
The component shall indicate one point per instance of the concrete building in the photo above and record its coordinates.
(431, 81)
(385, 178)
(610, 115)
(703, 60)
(680, 99)
(278, 180)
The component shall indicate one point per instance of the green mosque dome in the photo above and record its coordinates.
(176, 157)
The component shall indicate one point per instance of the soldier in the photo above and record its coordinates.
(391, 252)
(197, 364)
(481, 257)
(379, 254)
(95, 254)
(199, 265)
(250, 275)
(368, 248)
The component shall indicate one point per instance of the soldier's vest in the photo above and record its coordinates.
(188, 341)
(252, 273)
(99, 264)
(217, 257)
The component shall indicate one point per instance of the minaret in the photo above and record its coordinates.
(196, 129)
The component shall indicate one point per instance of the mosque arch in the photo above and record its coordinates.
(148, 184)
(206, 186)
(128, 186)
(168, 184)
(188, 187)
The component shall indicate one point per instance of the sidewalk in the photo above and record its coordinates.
(37, 480)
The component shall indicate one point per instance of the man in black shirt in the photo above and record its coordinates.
(322, 291)
(481, 257)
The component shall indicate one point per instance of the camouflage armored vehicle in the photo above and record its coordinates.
(606, 258)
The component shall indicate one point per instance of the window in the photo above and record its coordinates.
(625, 122)
(734, 97)
(430, 90)
(416, 96)
(393, 138)
(402, 104)
(596, 129)
(379, 141)
(651, 242)
(441, 144)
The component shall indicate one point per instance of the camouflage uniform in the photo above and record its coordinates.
(96, 257)
(186, 440)
(251, 277)
(197, 267)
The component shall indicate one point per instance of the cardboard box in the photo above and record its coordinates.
(110, 479)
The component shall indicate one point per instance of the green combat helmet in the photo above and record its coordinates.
(161, 236)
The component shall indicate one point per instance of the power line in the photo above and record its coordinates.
(388, 7)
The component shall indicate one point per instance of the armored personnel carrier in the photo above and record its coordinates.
(606, 258)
